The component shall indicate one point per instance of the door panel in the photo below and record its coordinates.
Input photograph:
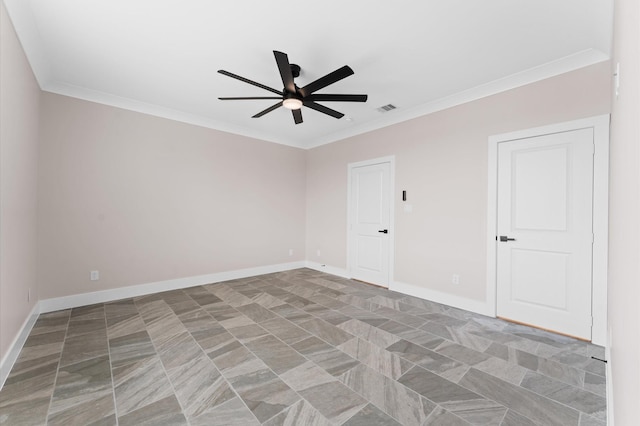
(545, 187)
(370, 214)
(540, 201)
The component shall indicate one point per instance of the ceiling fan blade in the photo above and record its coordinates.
(323, 109)
(271, 108)
(250, 97)
(297, 116)
(328, 79)
(285, 71)
(336, 98)
(246, 80)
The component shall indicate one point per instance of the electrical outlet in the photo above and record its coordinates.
(318, 252)
(29, 295)
(455, 279)
(95, 275)
(290, 252)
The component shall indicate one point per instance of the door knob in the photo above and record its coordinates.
(384, 231)
(504, 238)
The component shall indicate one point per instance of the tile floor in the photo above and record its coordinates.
(297, 348)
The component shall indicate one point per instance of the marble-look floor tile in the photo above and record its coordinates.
(277, 355)
(327, 301)
(511, 418)
(165, 411)
(549, 368)
(83, 347)
(125, 324)
(231, 413)
(394, 399)
(370, 415)
(410, 351)
(353, 300)
(202, 296)
(333, 317)
(305, 376)
(422, 338)
(442, 417)
(332, 360)
(596, 367)
(32, 411)
(152, 308)
(291, 313)
(185, 307)
(586, 420)
(197, 320)
(334, 401)
(369, 333)
(88, 312)
(436, 388)
(88, 411)
(82, 382)
(377, 358)
(300, 413)
(401, 317)
(51, 322)
(264, 393)
(178, 351)
(235, 353)
(595, 384)
(199, 386)
(165, 328)
(84, 326)
(502, 369)
(523, 401)
(461, 353)
(229, 296)
(31, 368)
(325, 331)
(120, 308)
(139, 384)
(285, 330)
(478, 412)
(132, 347)
(443, 319)
(212, 338)
(256, 312)
(581, 400)
(248, 332)
(231, 355)
(45, 339)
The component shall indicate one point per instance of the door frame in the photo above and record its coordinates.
(391, 160)
(600, 126)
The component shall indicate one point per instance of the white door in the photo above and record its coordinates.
(369, 223)
(545, 232)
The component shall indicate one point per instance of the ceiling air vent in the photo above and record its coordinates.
(386, 108)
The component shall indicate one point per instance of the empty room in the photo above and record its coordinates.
(330, 213)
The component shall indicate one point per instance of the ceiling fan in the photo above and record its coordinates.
(293, 97)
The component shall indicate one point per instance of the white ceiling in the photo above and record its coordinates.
(161, 56)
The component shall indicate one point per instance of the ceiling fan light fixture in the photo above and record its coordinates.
(292, 103)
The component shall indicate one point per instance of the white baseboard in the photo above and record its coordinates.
(16, 346)
(448, 299)
(321, 267)
(73, 301)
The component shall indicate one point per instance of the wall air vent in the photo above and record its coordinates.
(386, 108)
